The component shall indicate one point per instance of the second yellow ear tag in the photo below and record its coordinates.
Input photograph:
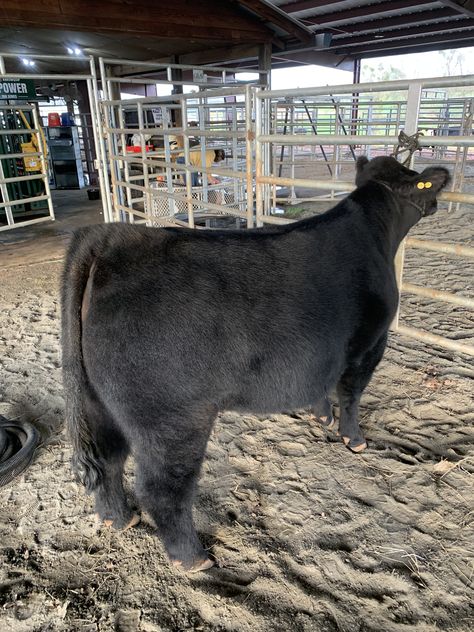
(421, 185)
(428, 185)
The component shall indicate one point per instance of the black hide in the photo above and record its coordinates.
(178, 324)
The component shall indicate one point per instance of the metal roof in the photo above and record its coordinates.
(367, 28)
(326, 32)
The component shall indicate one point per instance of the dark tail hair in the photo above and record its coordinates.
(86, 462)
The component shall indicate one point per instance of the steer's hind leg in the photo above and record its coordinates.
(350, 389)
(167, 472)
(112, 449)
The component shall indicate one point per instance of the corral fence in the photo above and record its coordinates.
(151, 149)
(334, 144)
(157, 146)
(17, 132)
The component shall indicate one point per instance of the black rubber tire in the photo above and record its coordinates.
(18, 442)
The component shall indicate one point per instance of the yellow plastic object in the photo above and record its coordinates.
(32, 163)
(420, 185)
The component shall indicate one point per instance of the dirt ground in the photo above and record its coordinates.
(309, 537)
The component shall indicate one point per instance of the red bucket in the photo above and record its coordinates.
(54, 119)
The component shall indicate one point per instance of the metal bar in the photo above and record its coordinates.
(146, 179)
(376, 86)
(51, 77)
(158, 131)
(447, 297)
(438, 246)
(20, 155)
(72, 58)
(25, 107)
(342, 185)
(329, 139)
(125, 162)
(341, 123)
(411, 127)
(36, 198)
(28, 222)
(313, 126)
(9, 132)
(282, 151)
(101, 150)
(39, 176)
(93, 94)
(44, 162)
(164, 65)
(433, 339)
(221, 92)
(184, 118)
(5, 197)
(259, 181)
(248, 155)
(301, 182)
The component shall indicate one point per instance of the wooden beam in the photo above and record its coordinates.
(180, 19)
(220, 55)
(265, 65)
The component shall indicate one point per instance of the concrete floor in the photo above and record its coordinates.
(47, 241)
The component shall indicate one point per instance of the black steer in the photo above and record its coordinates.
(162, 328)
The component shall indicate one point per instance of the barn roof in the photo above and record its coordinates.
(370, 28)
(327, 32)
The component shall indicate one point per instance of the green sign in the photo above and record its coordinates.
(18, 89)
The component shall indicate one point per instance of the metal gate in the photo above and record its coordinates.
(272, 136)
(155, 178)
(9, 185)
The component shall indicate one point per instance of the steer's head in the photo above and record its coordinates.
(418, 188)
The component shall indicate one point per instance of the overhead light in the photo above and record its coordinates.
(379, 36)
(28, 62)
(74, 50)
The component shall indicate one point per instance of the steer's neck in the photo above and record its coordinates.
(390, 217)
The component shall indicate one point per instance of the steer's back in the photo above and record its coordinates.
(256, 320)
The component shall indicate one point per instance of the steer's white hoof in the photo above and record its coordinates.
(109, 524)
(329, 425)
(356, 449)
(201, 565)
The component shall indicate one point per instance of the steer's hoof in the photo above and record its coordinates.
(109, 524)
(327, 422)
(198, 566)
(354, 446)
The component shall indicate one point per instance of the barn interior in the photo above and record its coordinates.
(121, 96)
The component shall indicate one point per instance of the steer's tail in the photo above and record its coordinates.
(80, 259)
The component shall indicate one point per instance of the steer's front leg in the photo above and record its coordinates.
(322, 410)
(348, 423)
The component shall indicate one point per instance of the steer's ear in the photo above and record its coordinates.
(431, 180)
(362, 161)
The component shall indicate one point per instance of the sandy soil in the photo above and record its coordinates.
(309, 537)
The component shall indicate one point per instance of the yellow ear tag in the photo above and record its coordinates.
(421, 185)
(428, 185)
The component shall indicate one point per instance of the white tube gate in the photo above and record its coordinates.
(270, 140)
